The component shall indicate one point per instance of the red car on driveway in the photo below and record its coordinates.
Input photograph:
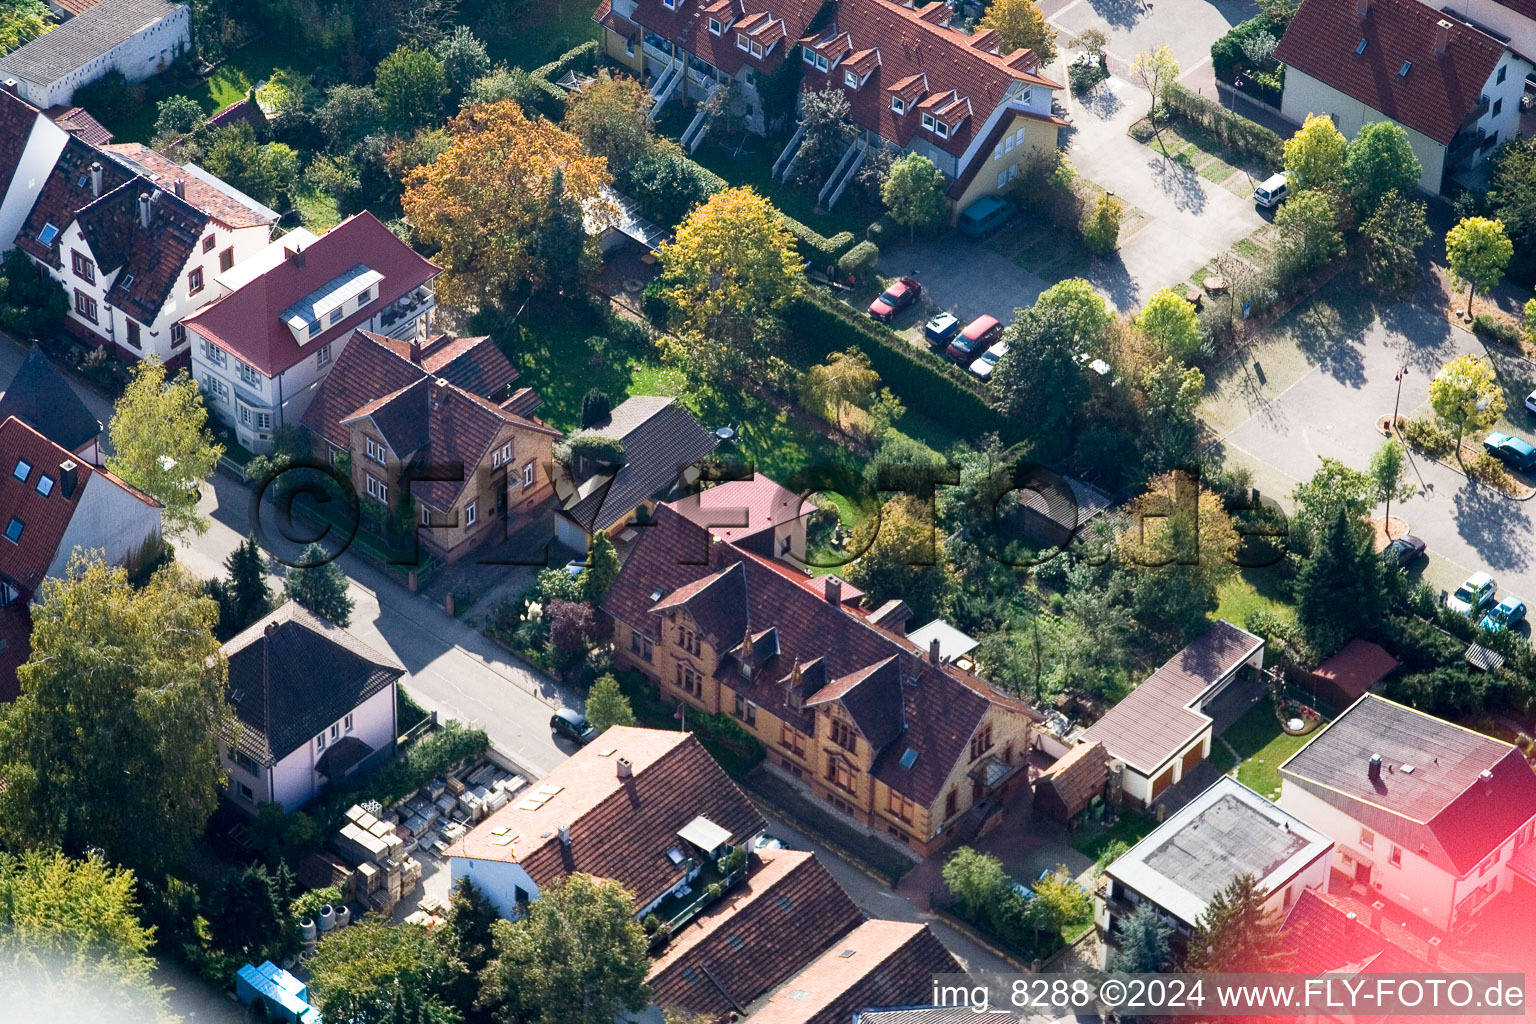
(901, 294)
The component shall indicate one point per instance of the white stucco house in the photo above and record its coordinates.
(280, 322)
(136, 241)
(1428, 816)
(139, 38)
(1454, 89)
(312, 703)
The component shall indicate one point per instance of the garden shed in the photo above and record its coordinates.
(1349, 674)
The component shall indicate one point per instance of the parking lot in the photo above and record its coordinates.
(1319, 385)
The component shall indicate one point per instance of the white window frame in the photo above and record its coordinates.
(940, 129)
(323, 355)
(320, 742)
(898, 105)
(471, 514)
(249, 374)
(928, 121)
(850, 79)
(335, 731)
(821, 63)
(1002, 179)
(217, 388)
(426, 516)
(715, 28)
(347, 722)
(741, 41)
(528, 475)
(214, 354)
(809, 56)
(1008, 144)
(757, 48)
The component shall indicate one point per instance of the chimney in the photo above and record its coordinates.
(69, 477)
(271, 628)
(144, 210)
(1362, 7)
(1351, 924)
(565, 835)
(96, 179)
(294, 256)
(1375, 769)
(415, 351)
(1485, 777)
(180, 188)
(439, 389)
(1442, 36)
(834, 587)
(11, 86)
(626, 768)
(933, 651)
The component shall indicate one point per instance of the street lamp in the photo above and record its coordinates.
(1396, 402)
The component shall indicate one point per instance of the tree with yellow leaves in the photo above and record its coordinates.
(1021, 24)
(490, 201)
(1181, 545)
(731, 269)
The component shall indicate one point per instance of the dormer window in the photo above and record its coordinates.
(714, 27)
(929, 122)
(941, 129)
(809, 56)
(741, 41)
(670, 5)
(850, 79)
(821, 63)
(898, 105)
(757, 48)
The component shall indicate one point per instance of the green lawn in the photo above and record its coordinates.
(230, 82)
(1130, 828)
(1248, 591)
(754, 166)
(1263, 746)
(541, 32)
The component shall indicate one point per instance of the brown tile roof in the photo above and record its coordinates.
(1436, 94)
(1156, 720)
(689, 25)
(879, 963)
(940, 709)
(247, 321)
(291, 674)
(768, 927)
(199, 193)
(150, 260)
(1356, 668)
(66, 191)
(1322, 938)
(1445, 809)
(738, 509)
(912, 43)
(74, 7)
(619, 828)
(478, 365)
(420, 419)
(79, 123)
(661, 439)
(1077, 776)
(44, 518)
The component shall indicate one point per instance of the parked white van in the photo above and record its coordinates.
(1272, 191)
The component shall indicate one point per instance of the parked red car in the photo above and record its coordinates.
(978, 335)
(901, 294)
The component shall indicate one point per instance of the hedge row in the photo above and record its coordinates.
(927, 385)
(551, 102)
(1233, 131)
(1227, 52)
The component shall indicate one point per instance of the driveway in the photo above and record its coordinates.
(1324, 379)
(451, 668)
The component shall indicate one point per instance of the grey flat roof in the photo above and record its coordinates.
(1226, 831)
(83, 38)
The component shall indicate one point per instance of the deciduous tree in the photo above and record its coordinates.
(975, 878)
(606, 704)
(577, 956)
(1020, 23)
(843, 380)
(502, 83)
(1465, 395)
(1155, 70)
(484, 200)
(1172, 393)
(1333, 486)
(1478, 251)
(1180, 544)
(161, 443)
(602, 569)
(121, 710)
(177, 114)
(1314, 156)
(318, 584)
(611, 117)
(71, 943)
(1308, 225)
(1512, 199)
(1101, 228)
(1380, 160)
(264, 172)
(1393, 235)
(383, 973)
(1168, 320)
(349, 113)
(1388, 472)
(914, 191)
(829, 131)
(902, 558)
(1236, 933)
(464, 60)
(22, 21)
(410, 85)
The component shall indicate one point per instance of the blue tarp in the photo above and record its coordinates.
(282, 991)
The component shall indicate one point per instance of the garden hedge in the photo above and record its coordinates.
(938, 390)
(551, 101)
(1250, 140)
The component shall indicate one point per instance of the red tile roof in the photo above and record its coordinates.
(688, 24)
(1158, 718)
(246, 322)
(44, 518)
(73, 7)
(148, 260)
(1439, 90)
(420, 418)
(1322, 937)
(789, 908)
(1077, 776)
(934, 711)
(619, 828)
(738, 509)
(201, 194)
(79, 123)
(959, 77)
(879, 963)
(1356, 668)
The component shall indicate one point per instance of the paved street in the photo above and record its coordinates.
(1325, 379)
(1188, 27)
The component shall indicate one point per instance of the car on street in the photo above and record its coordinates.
(988, 360)
(941, 329)
(1511, 450)
(768, 842)
(978, 335)
(1507, 614)
(1472, 596)
(1405, 550)
(573, 725)
(1530, 403)
(902, 293)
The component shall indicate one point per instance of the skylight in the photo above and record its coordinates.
(45, 485)
(23, 469)
(909, 758)
(48, 234)
(1402, 72)
(13, 530)
(1360, 48)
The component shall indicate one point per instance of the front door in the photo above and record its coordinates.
(977, 790)
(1362, 873)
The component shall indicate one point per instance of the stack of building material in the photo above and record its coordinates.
(455, 786)
(369, 879)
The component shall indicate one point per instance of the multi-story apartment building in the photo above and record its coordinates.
(890, 736)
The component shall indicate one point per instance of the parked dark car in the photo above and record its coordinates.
(901, 294)
(572, 725)
(1404, 551)
(978, 336)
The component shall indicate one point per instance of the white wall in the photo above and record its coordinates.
(1506, 95)
(294, 779)
(44, 145)
(146, 53)
(106, 517)
(1306, 95)
(498, 879)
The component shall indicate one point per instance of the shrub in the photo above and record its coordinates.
(1491, 471)
(550, 98)
(859, 262)
(820, 250)
(1486, 326)
(1249, 140)
(594, 447)
(881, 229)
(1428, 437)
(1084, 75)
(653, 301)
(110, 98)
(1101, 226)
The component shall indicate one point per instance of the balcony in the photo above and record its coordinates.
(406, 308)
(1476, 113)
(1463, 146)
(710, 886)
